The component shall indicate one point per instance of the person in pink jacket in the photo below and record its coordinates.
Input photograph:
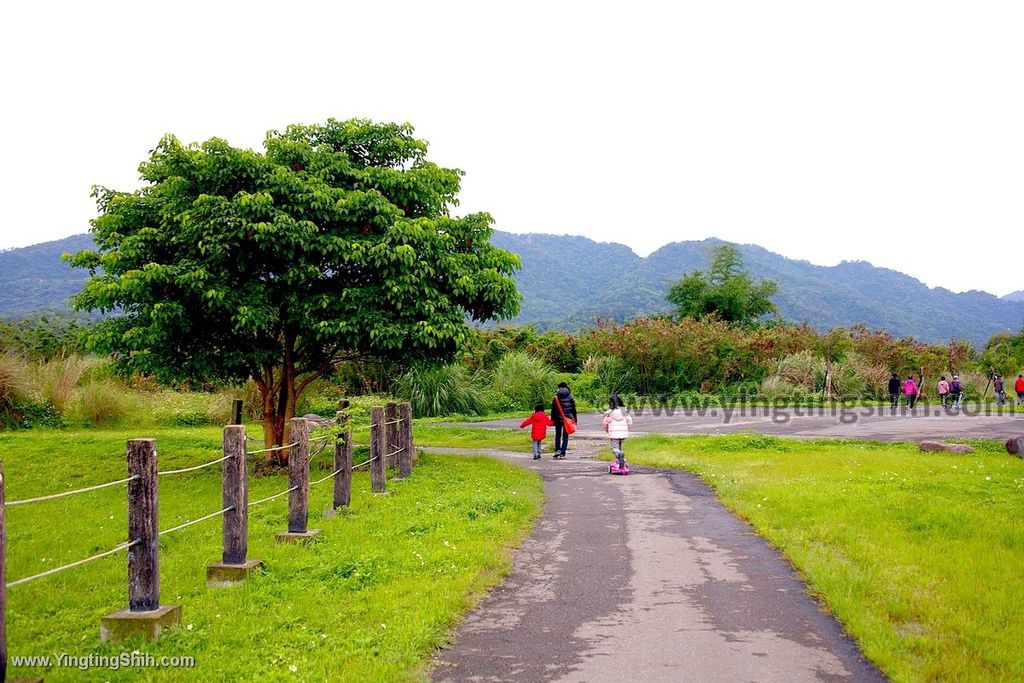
(617, 422)
(910, 391)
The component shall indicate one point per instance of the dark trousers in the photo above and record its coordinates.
(894, 400)
(561, 438)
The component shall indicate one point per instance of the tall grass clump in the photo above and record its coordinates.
(443, 390)
(101, 403)
(57, 378)
(520, 380)
(13, 381)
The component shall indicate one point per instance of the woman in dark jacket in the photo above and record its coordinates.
(564, 398)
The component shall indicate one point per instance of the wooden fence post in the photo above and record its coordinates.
(143, 506)
(378, 474)
(343, 462)
(234, 567)
(145, 615)
(298, 478)
(391, 433)
(405, 440)
(236, 412)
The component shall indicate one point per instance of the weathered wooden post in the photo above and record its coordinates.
(234, 568)
(144, 616)
(391, 433)
(236, 411)
(298, 479)
(405, 440)
(343, 463)
(378, 474)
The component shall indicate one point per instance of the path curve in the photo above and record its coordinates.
(646, 577)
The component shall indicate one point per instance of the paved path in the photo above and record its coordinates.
(870, 423)
(645, 578)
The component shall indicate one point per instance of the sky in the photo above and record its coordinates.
(891, 132)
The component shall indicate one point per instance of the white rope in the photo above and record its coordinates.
(274, 448)
(394, 453)
(276, 495)
(314, 483)
(197, 467)
(356, 467)
(71, 493)
(195, 521)
(48, 572)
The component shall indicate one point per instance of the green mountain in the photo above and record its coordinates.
(34, 280)
(568, 281)
(610, 281)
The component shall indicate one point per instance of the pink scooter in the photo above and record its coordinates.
(615, 469)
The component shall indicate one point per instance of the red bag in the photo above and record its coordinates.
(570, 424)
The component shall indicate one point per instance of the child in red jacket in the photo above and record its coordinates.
(539, 432)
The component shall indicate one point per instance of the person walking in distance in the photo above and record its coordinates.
(538, 423)
(1019, 388)
(956, 392)
(617, 422)
(1000, 389)
(563, 406)
(943, 390)
(894, 392)
(910, 391)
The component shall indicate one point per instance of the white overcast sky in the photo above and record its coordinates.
(889, 131)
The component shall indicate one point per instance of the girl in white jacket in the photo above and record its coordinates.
(617, 422)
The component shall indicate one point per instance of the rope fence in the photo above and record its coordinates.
(276, 495)
(55, 570)
(193, 469)
(195, 521)
(142, 490)
(62, 494)
(272, 449)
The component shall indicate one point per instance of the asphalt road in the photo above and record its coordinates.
(645, 578)
(869, 423)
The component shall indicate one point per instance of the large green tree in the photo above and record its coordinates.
(725, 292)
(336, 242)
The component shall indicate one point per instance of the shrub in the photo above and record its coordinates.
(443, 390)
(57, 378)
(800, 370)
(101, 402)
(776, 389)
(519, 381)
(13, 381)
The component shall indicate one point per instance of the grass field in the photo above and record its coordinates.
(369, 600)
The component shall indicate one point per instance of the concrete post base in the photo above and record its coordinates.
(221, 574)
(299, 538)
(125, 624)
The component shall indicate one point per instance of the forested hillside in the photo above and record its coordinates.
(567, 281)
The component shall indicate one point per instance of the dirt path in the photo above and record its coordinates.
(645, 578)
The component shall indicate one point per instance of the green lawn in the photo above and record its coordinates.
(369, 600)
(475, 437)
(921, 556)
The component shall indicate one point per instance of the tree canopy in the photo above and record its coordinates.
(725, 291)
(335, 242)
